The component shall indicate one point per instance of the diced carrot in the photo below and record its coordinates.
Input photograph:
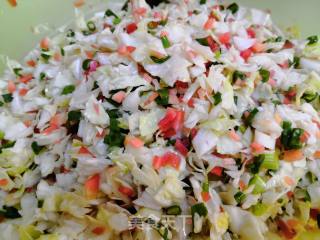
(181, 148)
(91, 186)
(164, 34)
(57, 57)
(84, 151)
(290, 194)
(225, 38)
(246, 54)
(26, 78)
(157, 15)
(318, 134)
(31, 63)
(288, 180)
(292, 155)
(217, 171)
(78, 3)
(284, 65)
(316, 154)
(286, 101)
(168, 159)
(242, 185)
(23, 91)
(256, 147)
(128, 191)
(272, 82)
(293, 222)
(209, 23)
(258, 47)
(13, 3)
(131, 27)
(140, 11)
(98, 230)
(151, 98)
(44, 43)
(157, 162)
(287, 231)
(304, 137)
(119, 96)
(205, 196)
(131, 49)
(11, 86)
(57, 120)
(214, 46)
(133, 141)
(251, 33)
(234, 136)
(3, 182)
(49, 130)
(89, 54)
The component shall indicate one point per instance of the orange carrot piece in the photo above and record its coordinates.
(119, 96)
(133, 141)
(44, 43)
(317, 154)
(205, 196)
(98, 230)
(234, 136)
(78, 3)
(293, 155)
(11, 87)
(91, 186)
(13, 3)
(288, 180)
(3, 182)
(31, 63)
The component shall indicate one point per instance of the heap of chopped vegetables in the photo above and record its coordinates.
(188, 108)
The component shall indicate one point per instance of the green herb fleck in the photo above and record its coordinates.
(312, 39)
(68, 89)
(265, 75)
(239, 197)
(159, 60)
(36, 148)
(163, 98)
(217, 98)
(233, 7)
(7, 97)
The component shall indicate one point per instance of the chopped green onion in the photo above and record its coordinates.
(173, 210)
(1, 103)
(8, 144)
(62, 52)
(270, 160)
(10, 212)
(200, 209)
(165, 42)
(290, 137)
(205, 187)
(238, 75)
(260, 185)
(163, 22)
(295, 63)
(265, 74)
(91, 26)
(116, 21)
(233, 8)
(203, 41)
(311, 177)
(45, 56)
(217, 98)
(42, 76)
(109, 13)
(163, 98)
(17, 71)
(203, 2)
(7, 97)
(115, 138)
(159, 60)
(259, 209)
(74, 116)
(248, 120)
(255, 166)
(312, 39)
(70, 33)
(68, 89)
(36, 148)
(86, 64)
(309, 96)
(240, 197)
(2, 134)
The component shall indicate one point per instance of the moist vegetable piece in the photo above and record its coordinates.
(187, 110)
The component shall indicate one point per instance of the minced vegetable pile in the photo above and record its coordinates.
(204, 113)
